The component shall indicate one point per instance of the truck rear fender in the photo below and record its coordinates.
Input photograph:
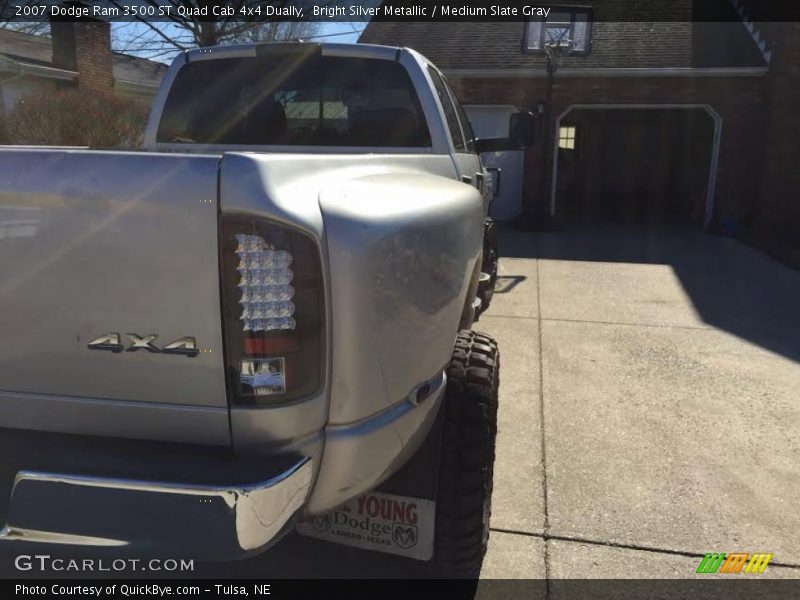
(398, 238)
(402, 250)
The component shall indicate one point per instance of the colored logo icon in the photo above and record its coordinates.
(734, 562)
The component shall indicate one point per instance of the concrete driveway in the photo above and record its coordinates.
(650, 405)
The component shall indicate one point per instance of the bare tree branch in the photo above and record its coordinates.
(180, 31)
(8, 8)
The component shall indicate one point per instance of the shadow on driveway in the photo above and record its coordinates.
(731, 286)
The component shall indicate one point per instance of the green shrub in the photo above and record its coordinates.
(73, 117)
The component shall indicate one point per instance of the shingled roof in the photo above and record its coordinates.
(614, 45)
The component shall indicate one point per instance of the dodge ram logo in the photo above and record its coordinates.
(186, 346)
(404, 536)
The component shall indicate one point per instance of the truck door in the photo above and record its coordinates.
(466, 159)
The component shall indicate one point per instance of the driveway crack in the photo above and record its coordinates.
(541, 422)
(641, 548)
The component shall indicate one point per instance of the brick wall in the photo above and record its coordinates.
(777, 223)
(740, 101)
(93, 54)
(85, 47)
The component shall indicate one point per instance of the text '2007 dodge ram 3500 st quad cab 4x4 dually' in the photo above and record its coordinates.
(261, 318)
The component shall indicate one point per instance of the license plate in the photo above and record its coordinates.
(380, 522)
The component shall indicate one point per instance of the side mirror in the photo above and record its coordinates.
(521, 130)
(521, 135)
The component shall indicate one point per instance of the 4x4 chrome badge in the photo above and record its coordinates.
(187, 346)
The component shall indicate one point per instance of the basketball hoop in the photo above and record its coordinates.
(556, 50)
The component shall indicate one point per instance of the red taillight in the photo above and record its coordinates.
(273, 345)
(273, 311)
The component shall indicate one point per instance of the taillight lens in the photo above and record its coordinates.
(265, 277)
(273, 311)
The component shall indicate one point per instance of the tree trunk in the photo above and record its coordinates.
(207, 34)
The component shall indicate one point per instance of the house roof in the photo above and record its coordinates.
(25, 46)
(617, 45)
(138, 70)
(37, 51)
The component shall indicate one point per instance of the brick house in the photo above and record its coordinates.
(655, 117)
(75, 54)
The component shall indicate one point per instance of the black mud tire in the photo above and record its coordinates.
(466, 463)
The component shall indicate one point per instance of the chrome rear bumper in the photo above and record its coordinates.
(181, 520)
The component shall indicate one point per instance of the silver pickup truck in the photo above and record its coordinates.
(261, 317)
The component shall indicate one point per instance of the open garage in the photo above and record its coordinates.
(635, 164)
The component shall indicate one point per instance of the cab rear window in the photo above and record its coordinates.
(294, 99)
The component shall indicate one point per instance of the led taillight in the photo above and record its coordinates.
(273, 311)
(265, 276)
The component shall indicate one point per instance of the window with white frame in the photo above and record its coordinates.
(566, 137)
(565, 26)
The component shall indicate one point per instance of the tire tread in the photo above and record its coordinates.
(463, 503)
